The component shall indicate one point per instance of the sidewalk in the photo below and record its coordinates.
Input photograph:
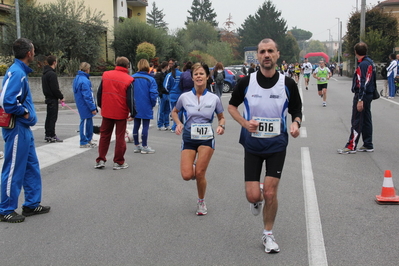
(43, 106)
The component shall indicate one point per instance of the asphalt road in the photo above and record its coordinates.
(145, 215)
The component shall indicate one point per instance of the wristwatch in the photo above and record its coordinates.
(26, 111)
(299, 123)
(222, 126)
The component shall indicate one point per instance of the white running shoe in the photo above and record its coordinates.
(201, 208)
(270, 244)
(256, 208)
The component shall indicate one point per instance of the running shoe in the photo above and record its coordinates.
(120, 166)
(306, 88)
(93, 145)
(270, 244)
(137, 149)
(256, 208)
(201, 208)
(56, 139)
(147, 150)
(346, 151)
(364, 149)
(38, 210)
(161, 128)
(100, 165)
(12, 218)
(86, 146)
(324, 104)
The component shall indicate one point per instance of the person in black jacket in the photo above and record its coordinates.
(52, 93)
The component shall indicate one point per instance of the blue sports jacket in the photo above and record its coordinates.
(82, 91)
(171, 84)
(16, 96)
(145, 94)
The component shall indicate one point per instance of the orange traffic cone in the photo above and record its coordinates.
(388, 195)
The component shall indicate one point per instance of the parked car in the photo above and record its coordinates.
(229, 80)
(238, 73)
(238, 67)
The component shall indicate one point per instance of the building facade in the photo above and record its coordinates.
(114, 11)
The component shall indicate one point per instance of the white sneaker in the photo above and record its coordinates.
(147, 150)
(137, 149)
(270, 244)
(201, 208)
(99, 165)
(256, 208)
(120, 166)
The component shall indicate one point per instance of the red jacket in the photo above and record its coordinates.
(115, 94)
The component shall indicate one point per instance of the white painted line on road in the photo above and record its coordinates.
(316, 249)
(53, 153)
(303, 133)
(389, 100)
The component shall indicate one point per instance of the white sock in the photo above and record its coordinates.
(265, 232)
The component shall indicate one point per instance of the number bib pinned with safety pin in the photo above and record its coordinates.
(268, 127)
(201, 131)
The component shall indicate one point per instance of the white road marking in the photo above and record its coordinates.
(53, 153)
(316, 248)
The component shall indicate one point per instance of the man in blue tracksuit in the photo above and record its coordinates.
(86, 105)
(363, 86)
(392, 72)
(21, 166)
(171, 84)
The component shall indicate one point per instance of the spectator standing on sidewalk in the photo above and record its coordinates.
(145, 94)
(83, 93)
(52, 93)
(115, 97)
(171, 84)
(163, 98)
(363, 86)
(392, 71)
(21, 166)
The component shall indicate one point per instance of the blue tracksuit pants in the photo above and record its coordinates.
(86, 130)
(20, 169)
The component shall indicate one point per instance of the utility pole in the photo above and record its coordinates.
(362, 20)
(339, 41)
(17, 19)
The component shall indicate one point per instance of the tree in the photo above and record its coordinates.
(229, 36)
(66, 28)
(132, 32)
(301, 35)
(201, 10)
(155, 18)
(266, 23)
(290, 51)
(315, 46)
(380, 28)
(201, 31)
(146, 48)
(221, 51)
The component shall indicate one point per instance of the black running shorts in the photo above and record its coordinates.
(274, 163)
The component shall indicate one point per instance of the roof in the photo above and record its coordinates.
(388, 3)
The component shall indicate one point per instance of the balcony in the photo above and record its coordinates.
(137, 2)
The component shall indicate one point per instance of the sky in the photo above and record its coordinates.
(318, 17)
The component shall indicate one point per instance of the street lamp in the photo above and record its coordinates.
(17, 19)
(339, 41)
